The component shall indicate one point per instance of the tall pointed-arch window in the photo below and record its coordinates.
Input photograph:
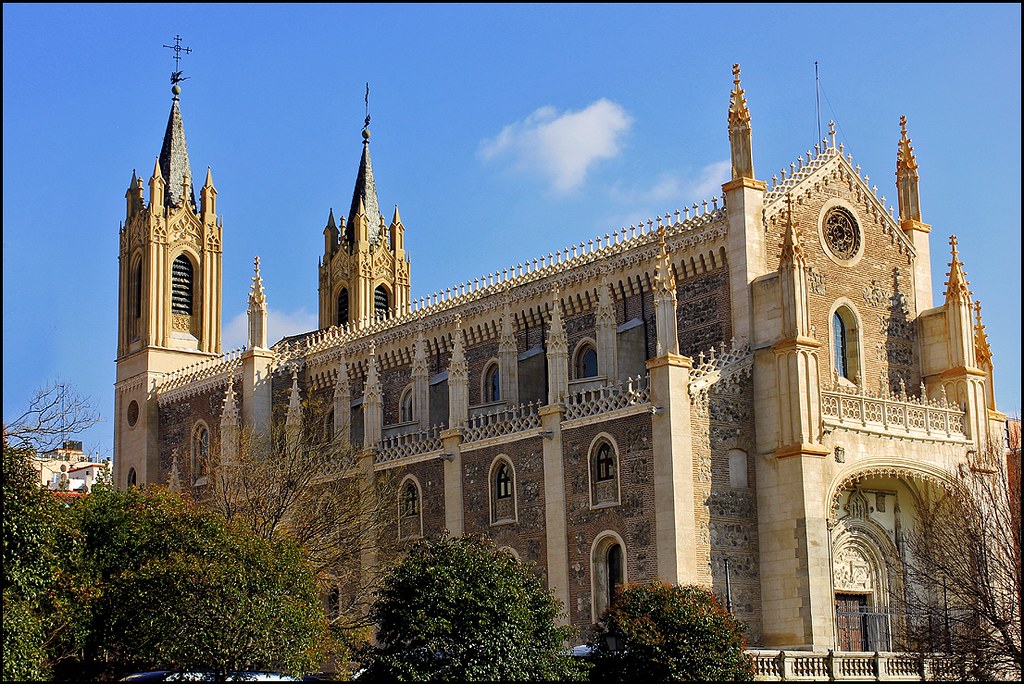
(410, 519)
(609, 571)
(604, 474)
(586, 361)
(405, 407)
(492, 384)
(181, 285)
(343, 307)
(132, 478)
(200, 452)
(381, 302)
(845, 344)
(135, 300)
(503, 499)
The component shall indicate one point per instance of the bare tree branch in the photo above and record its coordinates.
(55, 412)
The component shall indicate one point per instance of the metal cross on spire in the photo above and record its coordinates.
(366, 124)
(176, 76)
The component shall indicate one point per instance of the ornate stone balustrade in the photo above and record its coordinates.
(198, 377)
(400, 447)
(502, 423)
(773, 666)
(727, 365)
(888, 414)
(634, 392)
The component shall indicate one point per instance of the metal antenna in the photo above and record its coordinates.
(817, 99)
(176, 76)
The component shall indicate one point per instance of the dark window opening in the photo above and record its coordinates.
(181, 286)
(381, 303)
(343, 307)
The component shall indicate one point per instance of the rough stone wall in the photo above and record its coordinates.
(879, 285)
(393, 382)
(527, 535)
(633, 519)
(177, 420)
(477, 358)
(430, 475)
(731, 512)
(703, 312)
(577, 328)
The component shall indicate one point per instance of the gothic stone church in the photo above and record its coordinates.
(753, 394)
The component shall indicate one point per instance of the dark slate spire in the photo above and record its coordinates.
(366, 191)
(174, 164)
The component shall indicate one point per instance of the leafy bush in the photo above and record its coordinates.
(667, 632)
(458, 609)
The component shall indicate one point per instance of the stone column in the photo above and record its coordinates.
(554, 503)
(454, 511)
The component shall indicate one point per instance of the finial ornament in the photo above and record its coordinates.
(736, 74)
(176, 76)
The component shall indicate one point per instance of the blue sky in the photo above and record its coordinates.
(502, 132)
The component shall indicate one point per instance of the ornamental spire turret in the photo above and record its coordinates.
(956, 283)
(907, 178)
(173, 160)
(257, 311)
(739, 130)
(364, 196)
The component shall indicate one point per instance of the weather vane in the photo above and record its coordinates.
(366, 124)
(176, 76)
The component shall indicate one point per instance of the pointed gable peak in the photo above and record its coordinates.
(956, 285)
(209, 178)
(396, 220)
(173, 160)
(330, 219)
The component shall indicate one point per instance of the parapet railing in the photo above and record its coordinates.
(774, 666)
(417, 443)
(611, 397)
(856, 409)
(510, 421)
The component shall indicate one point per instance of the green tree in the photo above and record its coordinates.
(31, 522)
(458, 609)
(177, 587)
(666, 632)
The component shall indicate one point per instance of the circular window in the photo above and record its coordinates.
(842, 234)
(133, 413)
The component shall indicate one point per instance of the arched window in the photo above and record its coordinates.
(381, 302)
(845, 344)
(492, 384)
(410, 520)
(132, 478)
(181, 285)
(343, 307)
(405, 407)
(503, 498)
(200, 453)
(604, 474)
(608, 571)
(135, 300)
(586, 361)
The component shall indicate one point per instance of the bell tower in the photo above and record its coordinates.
(169, 294)
(364, 272)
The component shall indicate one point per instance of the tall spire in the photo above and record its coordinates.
(365, 191)
(739, 130)
(173, 161)
(956, 285)
(907, 178)
(257, 311)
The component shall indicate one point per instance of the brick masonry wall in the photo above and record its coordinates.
(632, 519)
(703, 312)
(729, 514)
(879, 285)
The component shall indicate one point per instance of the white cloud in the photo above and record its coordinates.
(279, 324)
(671, 191)
(562, 147)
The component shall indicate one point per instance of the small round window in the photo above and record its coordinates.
(133, 413)
(842, 234)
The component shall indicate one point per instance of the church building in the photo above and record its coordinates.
(753, 394)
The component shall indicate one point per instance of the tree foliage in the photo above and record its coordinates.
(305, 482)
(54, 412)
(32, 590)
(669, 632)
(458, 609)
(177, 587)
(963, 569)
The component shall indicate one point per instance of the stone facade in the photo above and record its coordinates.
(768, 390)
